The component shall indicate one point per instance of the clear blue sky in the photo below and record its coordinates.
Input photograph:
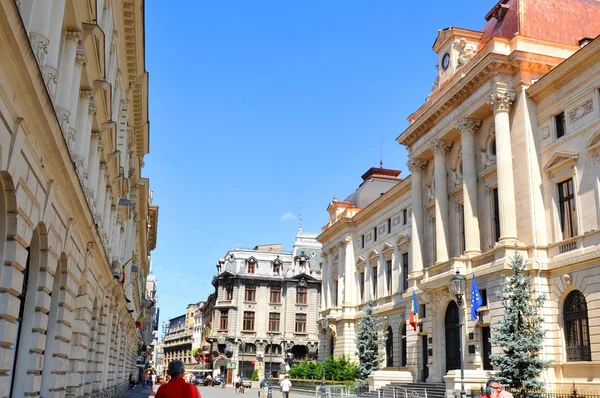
(259, 107)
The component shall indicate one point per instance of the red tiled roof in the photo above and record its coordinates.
(559, 21)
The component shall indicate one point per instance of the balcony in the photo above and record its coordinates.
(571, 250)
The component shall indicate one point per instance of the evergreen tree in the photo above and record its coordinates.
(520, 332)
(369, 342)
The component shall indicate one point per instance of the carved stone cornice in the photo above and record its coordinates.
(416, 164)
(86, 93)
(92, 109)
(73, 35)
(39, 45)
(500, 101)
(96, 135)
(440, 147)
(467, 126)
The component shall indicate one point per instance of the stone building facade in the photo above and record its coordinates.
(76, 219)
(266, 309)
(503, 156)
(177, 341)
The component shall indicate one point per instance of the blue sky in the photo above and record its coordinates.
(260, 107)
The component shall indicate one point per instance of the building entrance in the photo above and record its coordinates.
(452, 337)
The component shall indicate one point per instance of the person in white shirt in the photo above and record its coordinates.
(238, 382)
(285, 387)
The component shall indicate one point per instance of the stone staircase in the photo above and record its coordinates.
(409, 390)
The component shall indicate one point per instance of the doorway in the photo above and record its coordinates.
(452, 337)
(486, 350)
(424, 356)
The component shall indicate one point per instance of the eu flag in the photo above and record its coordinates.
(476, 300)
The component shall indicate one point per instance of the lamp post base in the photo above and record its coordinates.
(269, 392)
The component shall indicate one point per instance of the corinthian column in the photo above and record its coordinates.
(100, 194)
(416, 167)
(467, 128)
(65, 79)
(439, 149)
(501, 102)
(50, 68)
(39, 27)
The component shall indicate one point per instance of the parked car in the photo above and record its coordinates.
(199, 380)
(218, 380)
(247, 383)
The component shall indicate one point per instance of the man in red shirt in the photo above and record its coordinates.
(177, 387)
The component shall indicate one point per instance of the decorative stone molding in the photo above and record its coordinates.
(440, 147)
(416, 164)
(19, 5)
(487, 159)
(465, 52)
(581, 111)
(70, 139)
(50, 76)
(500, 101)
(74, 35)
(92, 109)
(561, 165)
(467, 126)
(86, 93)
(39, 45)
(457, 178)
(63, 116)
(80, 57)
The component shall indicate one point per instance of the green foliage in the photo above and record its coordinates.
(369, 341)
(340, 369)
(254, 375)
(520, 332)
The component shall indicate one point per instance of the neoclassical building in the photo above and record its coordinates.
(76, 220)
(266, 309)
(504, 155)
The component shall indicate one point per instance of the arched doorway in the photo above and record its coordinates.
(389, 348)
(299, 352)
(452, 337)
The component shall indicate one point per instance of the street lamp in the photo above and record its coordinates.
(269, 391)
(324, 323)
(457, 285)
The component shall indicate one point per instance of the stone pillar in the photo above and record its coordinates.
(117, 240)
(439, 149)
(50, 70)
(39, 29)
(65, 79)
(324, 283)
(341, 275)
(328, 272)
(501, 102)
(93, 166)
(101, 194)
(467, 128)
(416, 167)
(82, 133)
(350, 273)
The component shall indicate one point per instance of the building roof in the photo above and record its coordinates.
(559, 21)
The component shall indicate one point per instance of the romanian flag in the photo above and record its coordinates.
(138, 322)
(123, 277)
(414, 312)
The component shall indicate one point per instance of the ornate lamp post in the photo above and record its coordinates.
(269, 391)
(324, 323)
(457, 285)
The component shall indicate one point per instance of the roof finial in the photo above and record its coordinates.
(381, 151)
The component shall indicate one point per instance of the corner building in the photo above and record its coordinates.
(504, 155)
(76, 219)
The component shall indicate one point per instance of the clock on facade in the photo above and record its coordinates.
(445, 61)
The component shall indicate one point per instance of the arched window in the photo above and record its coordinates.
(389, 348)
(403, 344)
(577, 335)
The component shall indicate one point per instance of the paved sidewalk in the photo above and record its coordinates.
(140, 392)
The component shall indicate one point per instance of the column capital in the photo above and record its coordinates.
(467, 126)
(96, 135)
(74, 35)
(500, 101)
(86, 93)
(440, 147)
(416, 164)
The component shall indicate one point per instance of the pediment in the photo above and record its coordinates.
(593, 143)
(560, 160)
(373, 254)
(402, 239)
(386, 247)
(360, 260)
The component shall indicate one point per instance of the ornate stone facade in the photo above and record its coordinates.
(69, 319)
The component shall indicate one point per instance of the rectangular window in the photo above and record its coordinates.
(389, 225)
(274, 318)
(361, 286)
(224, 320)
(362, 238)
(250, 295)
(461, 226)
(375, 234)
(249, 321)
(433, 241)
(388, 279)
(300, 323)
(229, 292)
(301, 295)
(251, 267)
(275, 295)
(567, 209)
(422, 311)
(276, 268)
(374, 281)
(405, 216)
(495, 216)
(336, 287)
(559, 122)
(404, 271)
(483, 294)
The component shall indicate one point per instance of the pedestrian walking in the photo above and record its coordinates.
(285, 386)
(237, 383)
(177, 386)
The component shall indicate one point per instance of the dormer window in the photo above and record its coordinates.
(302, 262)
(251, 266)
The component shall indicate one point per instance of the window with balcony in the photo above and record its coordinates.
(224, 320)
(388, 279)
(404, 271)
(275, 295)
(301, 295)
(274, 319)
(250, 293)
(567, 209)
(249, 321)
(300, 323)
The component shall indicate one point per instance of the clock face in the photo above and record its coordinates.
(446, 61)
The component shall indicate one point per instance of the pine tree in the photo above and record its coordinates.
(520, 332)
(369, 342)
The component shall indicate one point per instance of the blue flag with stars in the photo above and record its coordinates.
(476, 300)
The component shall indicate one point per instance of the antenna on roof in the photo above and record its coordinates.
(381, 151)
(300, 217)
